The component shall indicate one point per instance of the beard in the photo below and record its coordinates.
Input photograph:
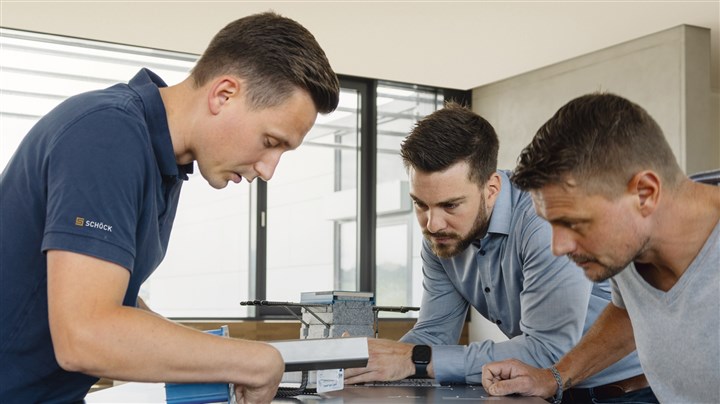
(605, 271)
(458, 243)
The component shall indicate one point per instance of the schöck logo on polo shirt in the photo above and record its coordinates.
(79, 221)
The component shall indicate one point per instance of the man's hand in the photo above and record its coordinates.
(256, 395)
(388, 360)
(267, 386)
(259, 395)
(515, 377)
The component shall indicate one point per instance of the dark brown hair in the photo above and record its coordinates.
(275, 55)
(448, 136)
(599, 140)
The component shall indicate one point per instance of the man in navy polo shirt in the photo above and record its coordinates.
(89, 198)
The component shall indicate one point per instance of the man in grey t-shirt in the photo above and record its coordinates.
(601, 172)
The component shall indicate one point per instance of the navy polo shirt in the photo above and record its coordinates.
(95, 176)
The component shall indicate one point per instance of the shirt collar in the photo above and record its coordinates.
(146, 84)
(502, 210)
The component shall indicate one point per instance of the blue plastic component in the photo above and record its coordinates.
(198, 393)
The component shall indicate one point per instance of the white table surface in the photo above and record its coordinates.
(147, 393)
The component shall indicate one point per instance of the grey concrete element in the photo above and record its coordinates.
(340, 313)
(667, 73)
(337, 330)
(332, 320)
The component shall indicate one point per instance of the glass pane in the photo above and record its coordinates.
(312, 206)
(393, 278)
(348, 263)
(206, 269)
(12, 130)
(397, 246)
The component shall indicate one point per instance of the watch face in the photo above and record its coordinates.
(421, 354)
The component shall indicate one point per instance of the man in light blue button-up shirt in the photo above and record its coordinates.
(485, 247)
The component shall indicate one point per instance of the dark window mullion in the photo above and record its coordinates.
(367, 190)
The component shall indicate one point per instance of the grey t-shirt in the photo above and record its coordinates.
(677, 333)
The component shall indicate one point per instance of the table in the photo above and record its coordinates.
(154, 393)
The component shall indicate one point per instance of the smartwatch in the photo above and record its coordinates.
(421, 355)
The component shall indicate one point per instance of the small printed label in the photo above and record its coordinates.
(80, 221)
(330, 380)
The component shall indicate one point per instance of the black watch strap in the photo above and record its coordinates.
(421, 370)
(421, 355)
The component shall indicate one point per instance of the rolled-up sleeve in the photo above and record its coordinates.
(443, 308)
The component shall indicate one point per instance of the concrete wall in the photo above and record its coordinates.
(667, 73)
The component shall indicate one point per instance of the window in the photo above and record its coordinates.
(335, 216)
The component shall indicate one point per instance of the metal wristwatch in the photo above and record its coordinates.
(421, 355)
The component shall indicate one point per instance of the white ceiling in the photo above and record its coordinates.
(456, 44)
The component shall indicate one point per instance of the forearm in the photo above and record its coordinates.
(135, 345)
(442, 310)
(93, 333)
(432, 335)
(608, 340)
(457, 363)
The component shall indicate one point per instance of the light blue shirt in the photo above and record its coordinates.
(542, 303)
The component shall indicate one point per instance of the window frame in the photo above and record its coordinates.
(367, 221)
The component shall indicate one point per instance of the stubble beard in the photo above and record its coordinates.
(449, 250)
(607, 271)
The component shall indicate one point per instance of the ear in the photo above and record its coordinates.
(493, 186)
(222, 90)
(646, 186)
